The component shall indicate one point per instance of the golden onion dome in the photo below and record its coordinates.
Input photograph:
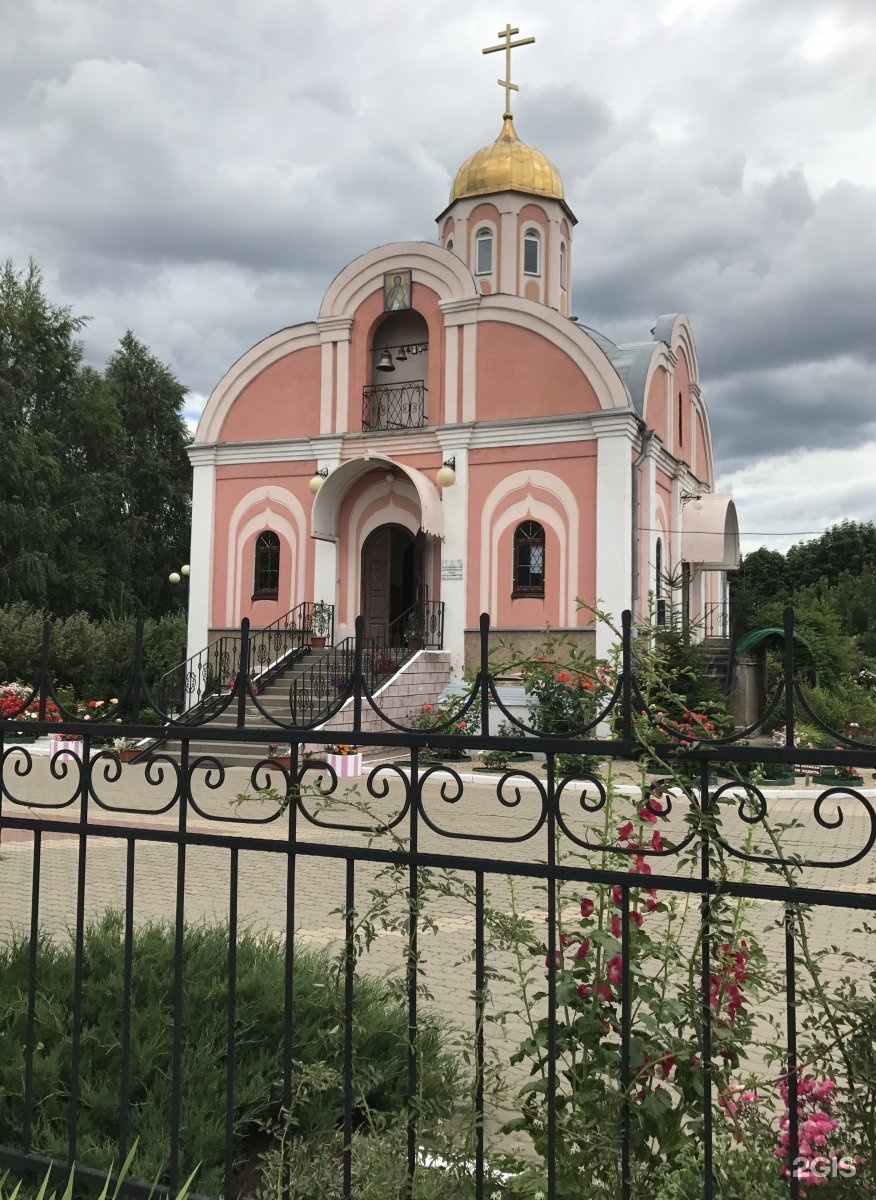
(507, 165)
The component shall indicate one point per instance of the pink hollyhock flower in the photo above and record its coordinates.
(617, 893)
(645, 814)
(656, 840)
(583, 950)
(587, 907)
(616, 926)
(625, 832)
(615, 969)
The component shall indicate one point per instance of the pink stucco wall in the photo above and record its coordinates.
(281, 402)
(521, 374)
(703, 468)
(367, 318)
(682, 447)
(537, 483)
(259, 498)
(655, 407)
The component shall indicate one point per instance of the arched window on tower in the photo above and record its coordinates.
(529, 559)
(450, 245)
(484, 252)
(531, 252)
(266, 573)
(563, 265)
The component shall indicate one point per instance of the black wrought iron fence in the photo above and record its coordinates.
(562, 882)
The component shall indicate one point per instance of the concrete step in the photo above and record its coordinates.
(275, 701)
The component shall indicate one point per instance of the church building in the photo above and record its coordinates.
(447, 438)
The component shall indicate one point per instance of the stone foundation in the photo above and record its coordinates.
(527, 642)
(420, 681)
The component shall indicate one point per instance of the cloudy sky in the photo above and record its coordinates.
(199, 171)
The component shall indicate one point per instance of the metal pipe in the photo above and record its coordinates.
(647, 435)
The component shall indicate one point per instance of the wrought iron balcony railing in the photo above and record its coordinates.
(394, 405)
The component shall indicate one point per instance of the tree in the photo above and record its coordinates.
(39, 368)
(94, 492)
(849, 547)
(762, 577)
(155, 494)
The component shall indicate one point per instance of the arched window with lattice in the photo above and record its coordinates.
(266, 572)
(529, 559)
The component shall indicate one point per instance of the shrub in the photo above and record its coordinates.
(379, 1037)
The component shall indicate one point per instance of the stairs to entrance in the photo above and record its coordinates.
(275, 701)
(716, 654)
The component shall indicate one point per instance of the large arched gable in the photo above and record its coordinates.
(431, 265)
(581, 349)
(260, 356)
(674, 329)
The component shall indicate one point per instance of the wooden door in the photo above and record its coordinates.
(376, 558)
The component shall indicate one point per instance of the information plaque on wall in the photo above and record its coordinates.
(451, 568)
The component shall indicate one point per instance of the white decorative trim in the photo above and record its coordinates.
(335, 328)
(201, 557)
(451, 375)
(245, 370)
(436, 268)
(469, 370)
(362, 523)
(613, 533)
(328, 500)
(273, 501)
(326, 381)
(526, 508)
(561, 501)
(519, 431)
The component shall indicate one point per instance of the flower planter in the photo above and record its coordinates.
(280, 761)
(21, 739)
(128, 755)
(66, 747)
(317, 642)
(834, 777)
(345, 765)
(415, 643)
(782, 777)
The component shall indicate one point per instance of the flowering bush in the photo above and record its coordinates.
(94, 710)
(342, 749)
(13, 707)
(435, 716)
(442, 718)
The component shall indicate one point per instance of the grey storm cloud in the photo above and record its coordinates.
(199, 173)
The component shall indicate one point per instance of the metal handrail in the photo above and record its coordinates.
(394, 405)
(204, 677)
(321, 689)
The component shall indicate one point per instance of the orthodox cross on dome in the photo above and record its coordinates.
(508, 33)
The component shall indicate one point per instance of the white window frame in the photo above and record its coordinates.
(533, 236)
(483, 235)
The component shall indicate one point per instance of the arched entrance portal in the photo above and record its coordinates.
(392, 576)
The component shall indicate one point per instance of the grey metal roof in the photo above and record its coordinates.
(632, 360)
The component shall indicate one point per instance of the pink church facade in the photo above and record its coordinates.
(581, 469)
